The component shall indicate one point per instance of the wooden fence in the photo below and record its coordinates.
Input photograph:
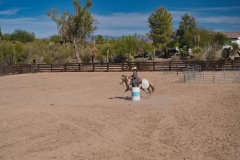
(177, 66)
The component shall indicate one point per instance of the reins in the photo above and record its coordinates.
(126, 80)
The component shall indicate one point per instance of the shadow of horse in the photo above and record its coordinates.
(124, 98)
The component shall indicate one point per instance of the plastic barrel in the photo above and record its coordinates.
(135, 93)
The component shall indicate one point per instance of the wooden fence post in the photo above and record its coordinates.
(4, 70)
(107, 67)
(1, 70)
(20, 69)
(170, 65)
(12, 68)
(65, 67)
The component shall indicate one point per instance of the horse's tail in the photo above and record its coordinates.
(151, 86)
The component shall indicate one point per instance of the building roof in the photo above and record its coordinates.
(232, 35)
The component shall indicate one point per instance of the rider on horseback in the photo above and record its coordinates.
(134, 76)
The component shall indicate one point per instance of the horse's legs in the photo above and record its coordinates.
(127, 89)
(147, 90)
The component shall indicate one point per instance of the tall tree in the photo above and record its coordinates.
(20, 53)
(22, 36)
(221, 38)
(127, 45)
(6, 36)
(160, 24)
(56, 38)
(187, 31)
(6, 52)
(187, 23)
(100, 39)
(75, 27)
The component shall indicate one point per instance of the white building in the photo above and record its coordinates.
(234, 37)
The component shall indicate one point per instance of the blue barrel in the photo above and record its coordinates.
(135, 93)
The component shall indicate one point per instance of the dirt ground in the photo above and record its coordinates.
(85, 116)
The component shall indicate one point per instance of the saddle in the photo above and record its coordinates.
(138, 82)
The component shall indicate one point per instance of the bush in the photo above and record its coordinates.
(86, 58)
(101, 58)
(47, 59)
(6, 51)
(130, 58)
(197, 50)
(225, 53)
(197, 54)
(20, 53)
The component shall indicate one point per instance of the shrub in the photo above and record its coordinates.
(130, 58)
(197, 54)
(225, 53)
(100, 58)
(47, 59)
(86, 58)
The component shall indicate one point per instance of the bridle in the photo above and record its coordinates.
(124, 79)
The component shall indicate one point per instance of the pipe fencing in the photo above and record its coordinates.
(228, 73)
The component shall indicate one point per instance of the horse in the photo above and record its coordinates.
(144, 84)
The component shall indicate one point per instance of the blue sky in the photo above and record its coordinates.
(119, 17)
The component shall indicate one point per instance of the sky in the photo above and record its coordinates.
(119, 17)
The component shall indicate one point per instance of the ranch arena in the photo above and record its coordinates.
(86, 116)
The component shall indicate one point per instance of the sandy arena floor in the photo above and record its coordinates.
(85, 116)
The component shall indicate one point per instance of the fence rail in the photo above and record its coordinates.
(228, 73)
(177, 66)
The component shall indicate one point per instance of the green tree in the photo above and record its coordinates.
(100, 39)
(102, 51)
(75, 27)
(38, 49)
(235, 48)
(187, 23)
(48, 59)
(204, 38)
(20, 53)
(197, 53)
(221, 39)
(56, 38)
(131, 44)
(22, 36)
(207, 38)
(6, 52)
(148, 47)
(6, 37)
(226, 53)
(126, 46)
(211, 51)
(187, 31)
(183, 52)
(160, 24)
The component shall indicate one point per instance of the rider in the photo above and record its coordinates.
(135, 76)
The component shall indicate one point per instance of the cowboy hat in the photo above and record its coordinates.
(134, 68)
